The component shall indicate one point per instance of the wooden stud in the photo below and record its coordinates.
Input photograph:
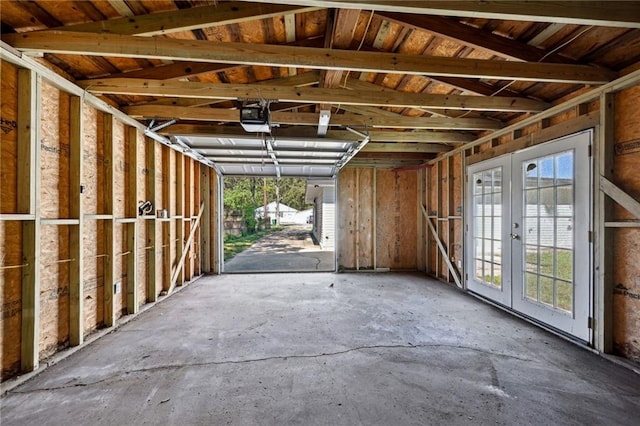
(29, 86)
(374, 227)
(109, 224)
(180, 213)
(451, 210)
(205, 226)
(420, 222)
(438, 189)
(76, 244)
(132, 228)
(167, 240)
(152, 240)
(603, 238)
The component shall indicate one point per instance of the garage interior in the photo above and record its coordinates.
(483, 149)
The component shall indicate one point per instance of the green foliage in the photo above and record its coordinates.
(244, 194)
(249, 218)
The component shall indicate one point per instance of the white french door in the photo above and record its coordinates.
(528, 232)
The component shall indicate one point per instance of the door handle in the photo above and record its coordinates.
(514, 236)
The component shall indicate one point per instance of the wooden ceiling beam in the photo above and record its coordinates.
(600, 13)
(405, 147)
(417, 136)
(311, 119)
(297, 80)
(308, 95)
(223, 13)
(64, 42)
(475, 37)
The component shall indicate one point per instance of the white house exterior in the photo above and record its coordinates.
(288, 215)
(321, 193)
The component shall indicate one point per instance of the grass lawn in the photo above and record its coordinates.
(234, 245)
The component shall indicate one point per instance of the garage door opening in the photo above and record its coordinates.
(278, 224)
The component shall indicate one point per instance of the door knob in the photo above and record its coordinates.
(515, 236)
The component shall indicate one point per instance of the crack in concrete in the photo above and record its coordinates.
(271, 358)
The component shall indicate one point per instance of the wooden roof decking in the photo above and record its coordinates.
(447, 74)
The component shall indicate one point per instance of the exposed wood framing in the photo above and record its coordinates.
(187, 19)
(194, 228)
(109, 223)
(603, 239)
(292, 118)
(467, 34)
(613, 13)
(28, 118)
(443, 250)
(619, 196)
(565, 128)
(205, 228)
(152, 239)
(64, 42)
(130, 86)
(616, 85)
(132, 227)
(76, 243)
(180, 213)
(167, 231)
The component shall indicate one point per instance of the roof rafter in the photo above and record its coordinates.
(602, 13)
(277, 55)
(187, 19)
(474, 37)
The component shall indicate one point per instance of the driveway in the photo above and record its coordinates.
(289, 250)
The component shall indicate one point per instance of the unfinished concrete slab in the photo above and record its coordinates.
(289, 250)
(387, 349)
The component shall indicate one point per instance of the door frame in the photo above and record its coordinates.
(588, 214)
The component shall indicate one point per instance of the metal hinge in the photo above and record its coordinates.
(590, 236)
(466, 277)
(590, 323)
(590, 150)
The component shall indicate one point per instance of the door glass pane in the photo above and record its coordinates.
(548, 230)
(565, 295)
(487, 226)
(531, 286)
(531, 174)
(531, 258)
(564, 261)
(545, 174)
(530, 227)
(546, 290)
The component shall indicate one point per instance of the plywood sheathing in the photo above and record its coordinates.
(119, 211)
(10, 231)
(93, 237)
(54, 202)
(626, 249)
(396, 219)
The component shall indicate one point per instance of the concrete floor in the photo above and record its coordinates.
(288, 250)
(327, 349)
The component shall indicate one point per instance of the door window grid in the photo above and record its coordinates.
(487, 225)
(548, 230)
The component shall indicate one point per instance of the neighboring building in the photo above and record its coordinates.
(321, 193)
(288, 215)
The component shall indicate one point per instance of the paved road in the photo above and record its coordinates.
(288, 250)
